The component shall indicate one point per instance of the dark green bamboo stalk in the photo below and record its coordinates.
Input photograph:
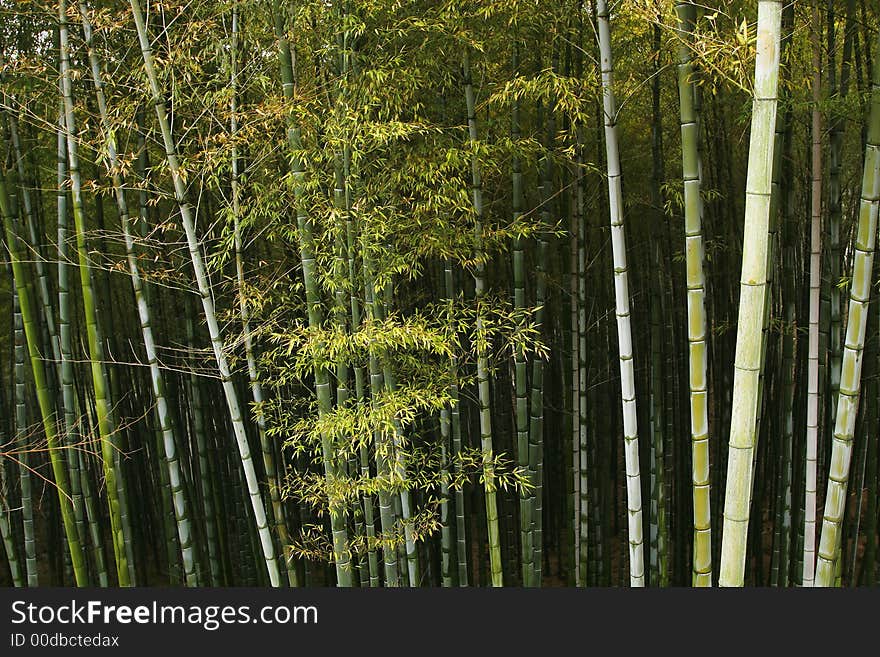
(521, 413)
(790, 368)
(106, 430)
(482, 356)
(461, 545)
(579, 448)
(206, 465)
(181, 505)
(44, 398)
(24, 448)
(341, 556)
(6, 523)
(92, 518)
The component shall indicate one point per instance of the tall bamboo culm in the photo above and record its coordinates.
(696, 293)
(753, 288)
(854, 344)
(180, 504)
(482, 356)
(812, 444)
(622, 306)
(44, 395)
(194, 247)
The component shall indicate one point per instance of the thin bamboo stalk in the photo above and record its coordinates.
(622, 305)
(232, 402)
(497, 577)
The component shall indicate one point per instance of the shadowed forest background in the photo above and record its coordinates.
(439, 293)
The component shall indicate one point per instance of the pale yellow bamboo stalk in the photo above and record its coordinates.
(753, 288)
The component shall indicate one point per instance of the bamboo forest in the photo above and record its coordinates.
(439, 293)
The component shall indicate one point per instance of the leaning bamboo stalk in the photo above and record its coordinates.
(753, 288)
(181, 505)
(851, 367)
(48, 316)
(256, 387)
(194, 247)
(106, 430)
(44, 398)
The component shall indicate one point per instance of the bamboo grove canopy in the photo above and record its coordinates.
(439, 293)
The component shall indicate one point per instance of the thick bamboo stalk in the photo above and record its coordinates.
(753, 288)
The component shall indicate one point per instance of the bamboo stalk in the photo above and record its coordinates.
(851, 368)
(497, 577)
(622, 305)
(753, 288)
(260, 520)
